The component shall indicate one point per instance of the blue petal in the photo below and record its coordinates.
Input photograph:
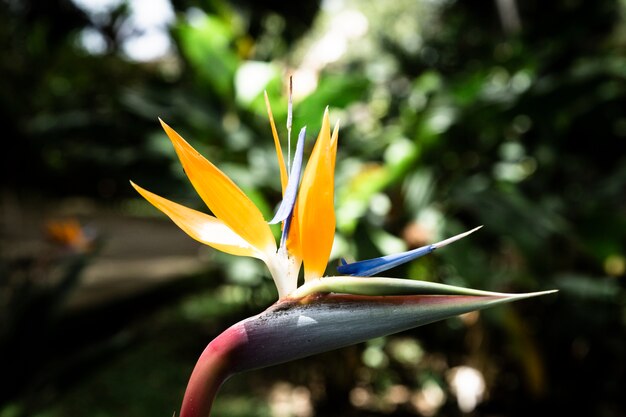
(374, 266)
(289, 199)
(371, 267)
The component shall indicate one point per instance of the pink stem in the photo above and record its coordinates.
(211, 370)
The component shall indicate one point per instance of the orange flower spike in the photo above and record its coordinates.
(227, 202)
(279, 152)
(293, 241)
(200, 226)
(316, 214)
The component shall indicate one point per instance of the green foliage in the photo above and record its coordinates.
(449, 120)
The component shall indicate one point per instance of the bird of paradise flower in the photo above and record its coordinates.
(323, 313)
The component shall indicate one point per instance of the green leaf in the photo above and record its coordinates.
(207, 45)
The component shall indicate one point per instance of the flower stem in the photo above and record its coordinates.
(210, 372)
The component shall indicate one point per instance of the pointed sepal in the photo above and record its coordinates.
(316, 213)
(202, 227)
(225, 199)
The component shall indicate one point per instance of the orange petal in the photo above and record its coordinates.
(279, 152)
(227, 202)
(293, 239)
(200, 226)
(316, 213)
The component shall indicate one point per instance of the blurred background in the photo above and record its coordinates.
(508, 114)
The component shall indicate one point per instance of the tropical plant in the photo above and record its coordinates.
(323, 313)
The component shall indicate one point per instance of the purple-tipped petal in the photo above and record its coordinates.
(291, 192)
(374, 266)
